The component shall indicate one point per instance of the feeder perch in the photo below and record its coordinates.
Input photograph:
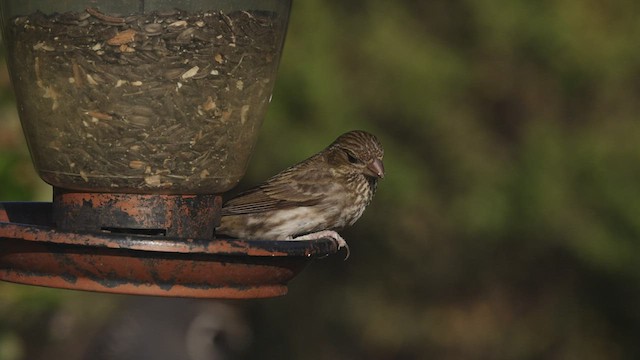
(140, 114)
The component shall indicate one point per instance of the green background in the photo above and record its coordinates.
(507, 226)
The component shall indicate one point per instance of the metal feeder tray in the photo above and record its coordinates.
(34, 251)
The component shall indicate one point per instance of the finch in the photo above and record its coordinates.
(311, 199)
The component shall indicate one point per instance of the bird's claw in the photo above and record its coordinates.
(340, 242)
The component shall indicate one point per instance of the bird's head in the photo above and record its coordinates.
(358, 151)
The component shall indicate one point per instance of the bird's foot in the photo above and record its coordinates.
(328, 234)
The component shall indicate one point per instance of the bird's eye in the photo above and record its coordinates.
(352, 159)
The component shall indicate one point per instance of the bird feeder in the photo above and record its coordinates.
(140, 114)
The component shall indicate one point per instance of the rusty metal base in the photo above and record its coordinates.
(180, 216)
(33, 251)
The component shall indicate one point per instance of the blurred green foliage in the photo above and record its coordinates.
(507, 224)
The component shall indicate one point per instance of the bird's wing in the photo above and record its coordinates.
(300, 185)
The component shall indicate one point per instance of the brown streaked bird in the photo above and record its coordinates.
(311, 199)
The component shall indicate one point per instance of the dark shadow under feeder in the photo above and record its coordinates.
(147, 118)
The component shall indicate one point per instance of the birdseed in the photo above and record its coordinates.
(163, 101)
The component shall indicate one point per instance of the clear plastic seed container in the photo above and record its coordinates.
(143, 96)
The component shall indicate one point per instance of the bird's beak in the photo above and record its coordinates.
(375, 169)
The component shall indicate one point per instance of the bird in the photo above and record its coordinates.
(312, 199)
